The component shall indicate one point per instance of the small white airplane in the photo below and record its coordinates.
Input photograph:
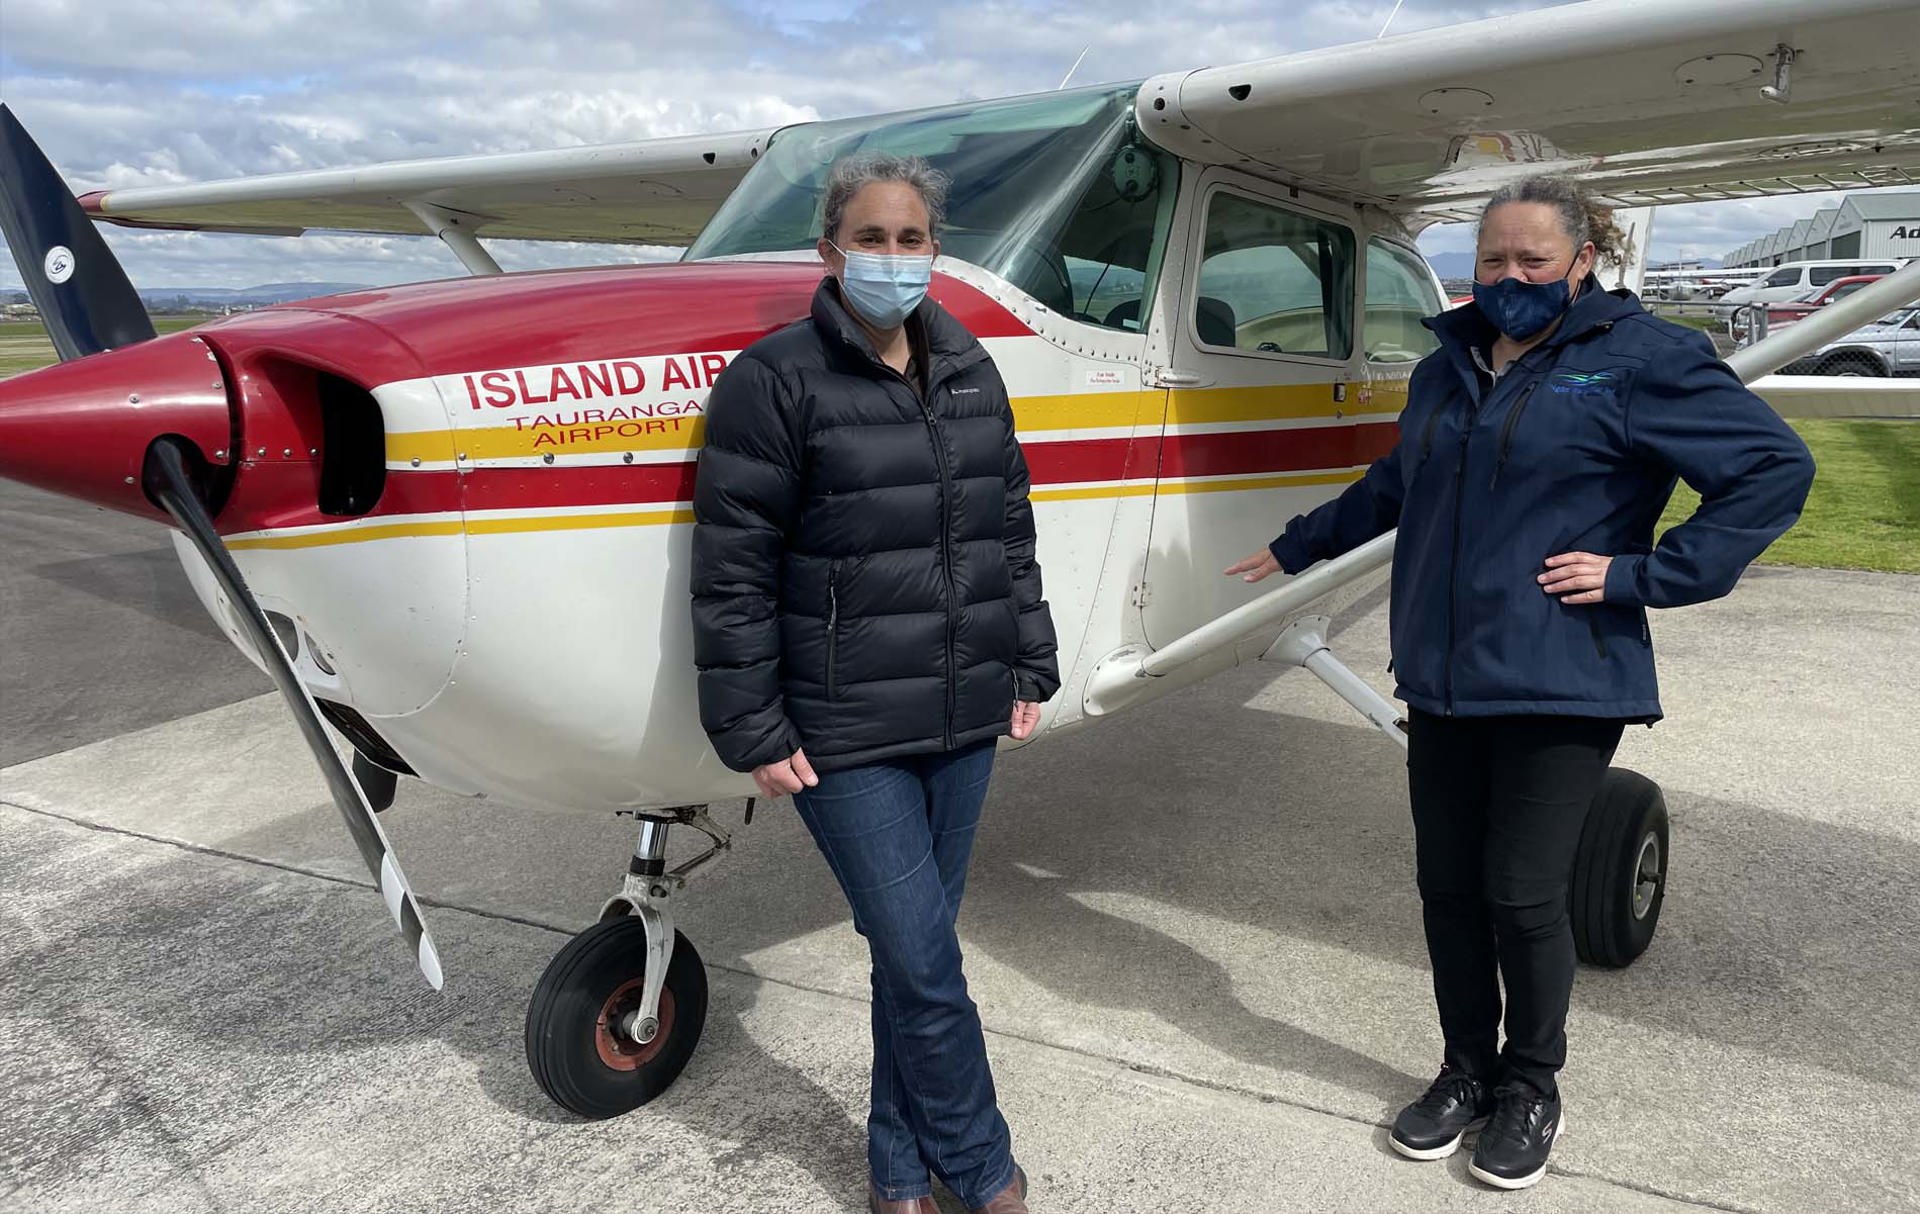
(451, 519)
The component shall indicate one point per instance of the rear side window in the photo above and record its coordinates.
(1399, 296)
(1274, 282)
(1784, 278)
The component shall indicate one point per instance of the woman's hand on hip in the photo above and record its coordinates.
(1026, 715)
(1255, 568)
(776, 780)
(1576, 577)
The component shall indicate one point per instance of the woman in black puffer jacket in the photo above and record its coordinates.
(867, 622)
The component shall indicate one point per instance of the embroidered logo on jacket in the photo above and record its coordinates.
(1583, 383)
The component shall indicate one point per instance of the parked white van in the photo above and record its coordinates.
(1789, 280)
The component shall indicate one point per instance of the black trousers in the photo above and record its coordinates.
(1498, 804)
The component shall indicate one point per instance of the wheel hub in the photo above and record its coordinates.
(624, 1045)
(1646, 876)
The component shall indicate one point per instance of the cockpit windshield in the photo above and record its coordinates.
(1055, 193)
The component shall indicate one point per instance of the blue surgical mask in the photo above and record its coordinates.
(1520, 308)
(885, 289)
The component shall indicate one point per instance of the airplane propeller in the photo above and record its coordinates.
(83, 295)
(90, 307)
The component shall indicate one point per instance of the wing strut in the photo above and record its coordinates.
(456, 230)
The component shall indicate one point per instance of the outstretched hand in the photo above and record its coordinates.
(1576, 577)
(776, 780)
(1254, 568)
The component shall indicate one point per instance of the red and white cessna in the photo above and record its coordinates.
(451, 519)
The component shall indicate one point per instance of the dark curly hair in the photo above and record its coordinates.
(1581, 216)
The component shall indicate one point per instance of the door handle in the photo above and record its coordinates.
(1165, 378)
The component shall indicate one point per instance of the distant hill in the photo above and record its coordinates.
(1452, 265)
(243, 297)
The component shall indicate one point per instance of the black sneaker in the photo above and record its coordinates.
(1513, 1149)
(1431, 1127)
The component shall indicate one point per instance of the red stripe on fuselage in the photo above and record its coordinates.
(549, 487)
(1234, 453)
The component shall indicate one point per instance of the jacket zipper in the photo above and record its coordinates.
(934, 378)
(1453, 567)
(1506, 433)
(1459, 511)
(833, 630)
(946, 547)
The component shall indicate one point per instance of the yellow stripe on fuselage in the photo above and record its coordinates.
(1032, 414)
(477, 525)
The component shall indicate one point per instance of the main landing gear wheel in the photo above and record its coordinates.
(580, 1042)
(1620, 871)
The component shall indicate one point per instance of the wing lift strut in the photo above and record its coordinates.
(456, 230)
(1303, 636)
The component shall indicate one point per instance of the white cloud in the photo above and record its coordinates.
(125, 92)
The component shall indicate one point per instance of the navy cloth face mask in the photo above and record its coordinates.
(1520, 308)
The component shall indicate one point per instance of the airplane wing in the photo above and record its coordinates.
(1651, 102)
(656, 191)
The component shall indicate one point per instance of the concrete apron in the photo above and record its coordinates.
(1192, 932)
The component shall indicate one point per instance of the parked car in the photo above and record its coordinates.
(1791, 279)
(1889, 346)
(1815, 298)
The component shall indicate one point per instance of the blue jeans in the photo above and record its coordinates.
(898, 837)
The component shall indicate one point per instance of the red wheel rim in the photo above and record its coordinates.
(619, 1051)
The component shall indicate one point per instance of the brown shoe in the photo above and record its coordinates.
(1010, 1200)
(877, 1204)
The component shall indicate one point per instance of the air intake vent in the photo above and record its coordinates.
(353, 462)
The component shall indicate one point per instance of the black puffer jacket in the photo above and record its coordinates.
(864, 584)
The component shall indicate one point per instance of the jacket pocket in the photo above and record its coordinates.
(1426, 443)
(833, 630)
(1506, 435)
(1599, 637)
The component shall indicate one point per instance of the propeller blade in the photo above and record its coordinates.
(82, 293)
(170, 480)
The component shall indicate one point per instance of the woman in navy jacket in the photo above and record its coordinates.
(1538, 448)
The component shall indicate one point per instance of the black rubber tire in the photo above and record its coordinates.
(1853, 364)
(1627, 811)
(562, 1019)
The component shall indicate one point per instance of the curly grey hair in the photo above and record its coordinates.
(1581, 217)
(850, 174)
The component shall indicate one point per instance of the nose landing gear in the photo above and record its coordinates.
(619, 1010)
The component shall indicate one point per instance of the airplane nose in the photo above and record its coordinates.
(82, 428)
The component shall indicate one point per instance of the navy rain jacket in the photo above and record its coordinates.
(1574, 448)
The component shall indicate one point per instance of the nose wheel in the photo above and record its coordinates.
(619, 1011)
(588, 1048)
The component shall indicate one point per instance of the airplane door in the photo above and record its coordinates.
(1265, 413)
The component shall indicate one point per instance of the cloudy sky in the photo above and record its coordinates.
(139, 92)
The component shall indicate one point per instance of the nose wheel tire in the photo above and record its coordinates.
(1620, 872)
(579, 1047)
